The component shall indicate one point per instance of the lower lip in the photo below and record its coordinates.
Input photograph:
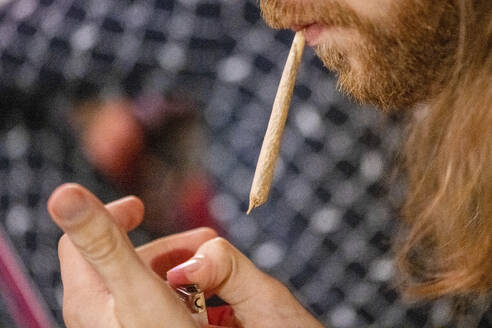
(312, 34)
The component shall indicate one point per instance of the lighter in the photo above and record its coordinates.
(194, 298)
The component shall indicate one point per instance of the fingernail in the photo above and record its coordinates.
(71, 204)
(189, 266)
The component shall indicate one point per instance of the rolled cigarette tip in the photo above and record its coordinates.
(267, 160)
(252, 205)
(250, 208)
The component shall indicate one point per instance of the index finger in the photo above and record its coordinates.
(165, 253)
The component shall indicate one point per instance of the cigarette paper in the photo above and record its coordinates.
(265, 167)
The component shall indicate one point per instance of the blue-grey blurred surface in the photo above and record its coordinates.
(327, 228)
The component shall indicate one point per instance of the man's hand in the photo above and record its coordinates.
(257, 299)
(107, 283)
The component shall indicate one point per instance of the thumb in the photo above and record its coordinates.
(141, 299)
(220, 268)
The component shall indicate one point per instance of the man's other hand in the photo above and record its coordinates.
(105, 283)
(108, 283)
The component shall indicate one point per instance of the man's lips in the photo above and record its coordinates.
(312, 32)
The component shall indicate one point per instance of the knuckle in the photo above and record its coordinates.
(223, 258)
(100, 248)
(209, 231)
(220, 246)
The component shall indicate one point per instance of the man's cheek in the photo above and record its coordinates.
(373, 10)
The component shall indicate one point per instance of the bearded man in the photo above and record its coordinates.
(432, 59)
(435, 55)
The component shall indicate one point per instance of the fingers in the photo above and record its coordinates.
(78, 277)
(253, 295)
(140, 298)
(167, 252)
(100, 242)
(77, 274)
(80, 283)
(219, 266)
(126, 212)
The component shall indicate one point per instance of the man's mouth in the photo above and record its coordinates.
(312, 32)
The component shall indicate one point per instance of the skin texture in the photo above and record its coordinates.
(391, 54)
(102, 272)
(108, 283)
(434, 55)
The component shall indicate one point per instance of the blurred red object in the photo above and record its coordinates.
(150, 148)
(114, 140)
(222, 316)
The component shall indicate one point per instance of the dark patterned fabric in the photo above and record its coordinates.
(5, 318)
(326, 230)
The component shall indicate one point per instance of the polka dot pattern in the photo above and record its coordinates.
(327, 227)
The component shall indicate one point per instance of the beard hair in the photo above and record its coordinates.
(399, 63)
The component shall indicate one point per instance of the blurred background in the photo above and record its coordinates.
(169, 100)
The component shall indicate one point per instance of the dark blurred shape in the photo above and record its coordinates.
(151, 147)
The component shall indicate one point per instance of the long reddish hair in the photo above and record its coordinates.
(447, 248)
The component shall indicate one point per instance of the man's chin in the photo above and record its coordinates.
(367, 84)
(365, 90)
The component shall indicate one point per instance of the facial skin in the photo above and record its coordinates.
(391, 54)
